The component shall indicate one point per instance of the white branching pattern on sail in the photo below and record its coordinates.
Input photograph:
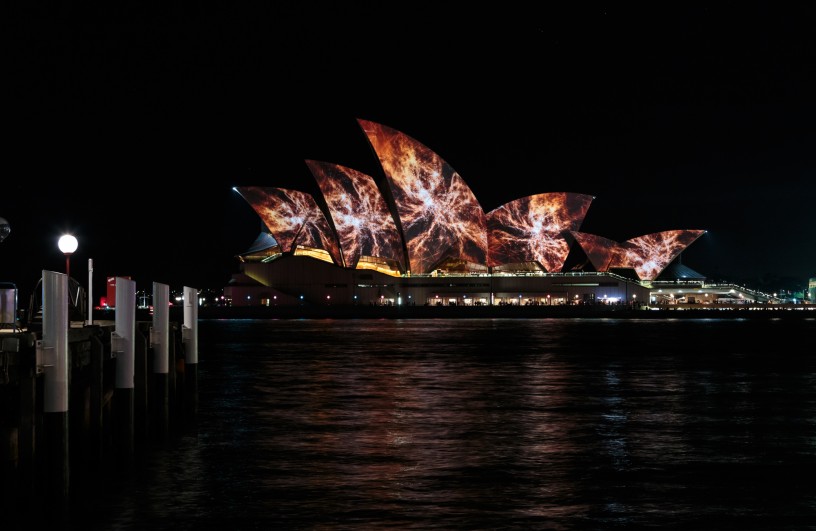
(439, 214)
(293, 218)
(533, 229)
(362, 220)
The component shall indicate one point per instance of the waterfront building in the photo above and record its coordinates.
(420, 237)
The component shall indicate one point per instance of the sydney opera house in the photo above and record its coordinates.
(419, 236)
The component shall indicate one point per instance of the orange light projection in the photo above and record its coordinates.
(648, 255)
(600, 251)
(439, 216)
(293, 218)
(361, 217)
(433, 216)
(532, 229)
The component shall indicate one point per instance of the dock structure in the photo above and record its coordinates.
(80, 401)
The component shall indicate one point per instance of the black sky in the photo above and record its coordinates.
(129, 125)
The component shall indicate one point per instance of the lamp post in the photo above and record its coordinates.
(68, 244)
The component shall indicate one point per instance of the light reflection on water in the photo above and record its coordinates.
(487, 424)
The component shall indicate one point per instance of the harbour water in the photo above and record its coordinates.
(485, 424)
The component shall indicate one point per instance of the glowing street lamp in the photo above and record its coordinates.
(68, 244)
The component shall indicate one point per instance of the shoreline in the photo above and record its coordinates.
(509, 312)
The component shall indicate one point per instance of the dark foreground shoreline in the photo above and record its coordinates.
(511, 312)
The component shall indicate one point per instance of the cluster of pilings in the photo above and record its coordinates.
(80, 400)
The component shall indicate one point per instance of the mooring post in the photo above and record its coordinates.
(159, 339)
(142, 391)
(97, 399)
(123, 348)
(53, 351)
(190, 339)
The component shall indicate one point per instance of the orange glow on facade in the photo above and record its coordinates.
(648, 255)
(439, 215)
(431, 220)
(293, 218)
(362, 220)
(533, 229)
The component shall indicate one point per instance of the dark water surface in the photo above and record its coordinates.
(487, 424)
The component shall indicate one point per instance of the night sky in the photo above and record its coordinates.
(129, 126)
